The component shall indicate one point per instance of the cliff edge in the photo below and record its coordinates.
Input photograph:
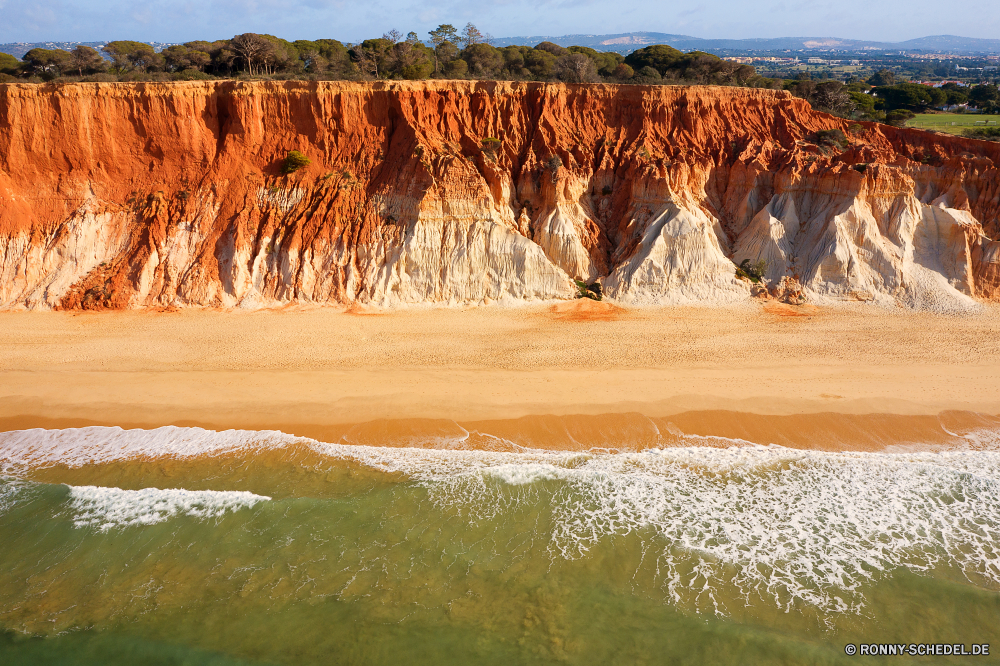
(151, 194)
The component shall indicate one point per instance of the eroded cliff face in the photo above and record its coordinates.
(133, 195)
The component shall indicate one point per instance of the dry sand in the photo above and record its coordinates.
(774, 372)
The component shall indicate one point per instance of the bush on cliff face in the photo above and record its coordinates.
(833, 138)
(553, 164)
(490, 146)
(295, 161)
(592, 291)
(753, 271)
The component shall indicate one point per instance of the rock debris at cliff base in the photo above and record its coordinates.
(452, 192)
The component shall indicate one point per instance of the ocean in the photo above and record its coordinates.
(187, 546)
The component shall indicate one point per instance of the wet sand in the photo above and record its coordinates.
(409, 374)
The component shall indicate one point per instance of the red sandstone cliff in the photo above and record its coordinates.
(128, 195)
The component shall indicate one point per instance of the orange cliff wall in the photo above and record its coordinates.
(132, 195)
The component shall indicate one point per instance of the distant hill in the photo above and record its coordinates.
(630, 41)
(952, 44)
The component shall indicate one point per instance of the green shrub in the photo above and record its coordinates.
(831, 137)
(490, 146)
(592, 291)
(986, 133)
(295, 161)
(456, 69)
(649, 74)
(752, 271)
(553, 165)
(191, 75)
(899, 117)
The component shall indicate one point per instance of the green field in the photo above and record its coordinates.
(953, 123)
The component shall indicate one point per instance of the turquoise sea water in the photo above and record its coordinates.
(183, 546)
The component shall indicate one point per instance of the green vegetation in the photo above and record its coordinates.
(9, 65)
(953, 123)
(490, 146)
(881, 98)
(985, 133)
(127, 56)
(753, 271)
(883, 77)
(911, 96)
(592, 291)
(449, 53)
(294, 161)
(833, 138)
(672, 65)
(846, 101)
(899, 117)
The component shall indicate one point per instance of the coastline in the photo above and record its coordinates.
(862, 378)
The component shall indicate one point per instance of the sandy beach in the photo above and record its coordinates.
(807, 376)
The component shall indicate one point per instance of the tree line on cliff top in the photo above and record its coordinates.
(466, 54)
(448, 54)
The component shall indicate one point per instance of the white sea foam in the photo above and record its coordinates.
(76, 447)
(796, 527)
(523, 474)
(106, 508)
(9, 490)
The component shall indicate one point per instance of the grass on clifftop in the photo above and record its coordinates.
(953, 123)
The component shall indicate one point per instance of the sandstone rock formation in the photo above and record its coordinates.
(133, 195)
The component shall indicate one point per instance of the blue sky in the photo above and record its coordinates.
(184, 20)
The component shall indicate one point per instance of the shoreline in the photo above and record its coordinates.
(315, 372)
(620, 432)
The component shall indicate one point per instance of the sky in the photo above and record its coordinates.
(351, 21)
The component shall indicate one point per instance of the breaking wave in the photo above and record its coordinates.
(792, 527)
(105, 508)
